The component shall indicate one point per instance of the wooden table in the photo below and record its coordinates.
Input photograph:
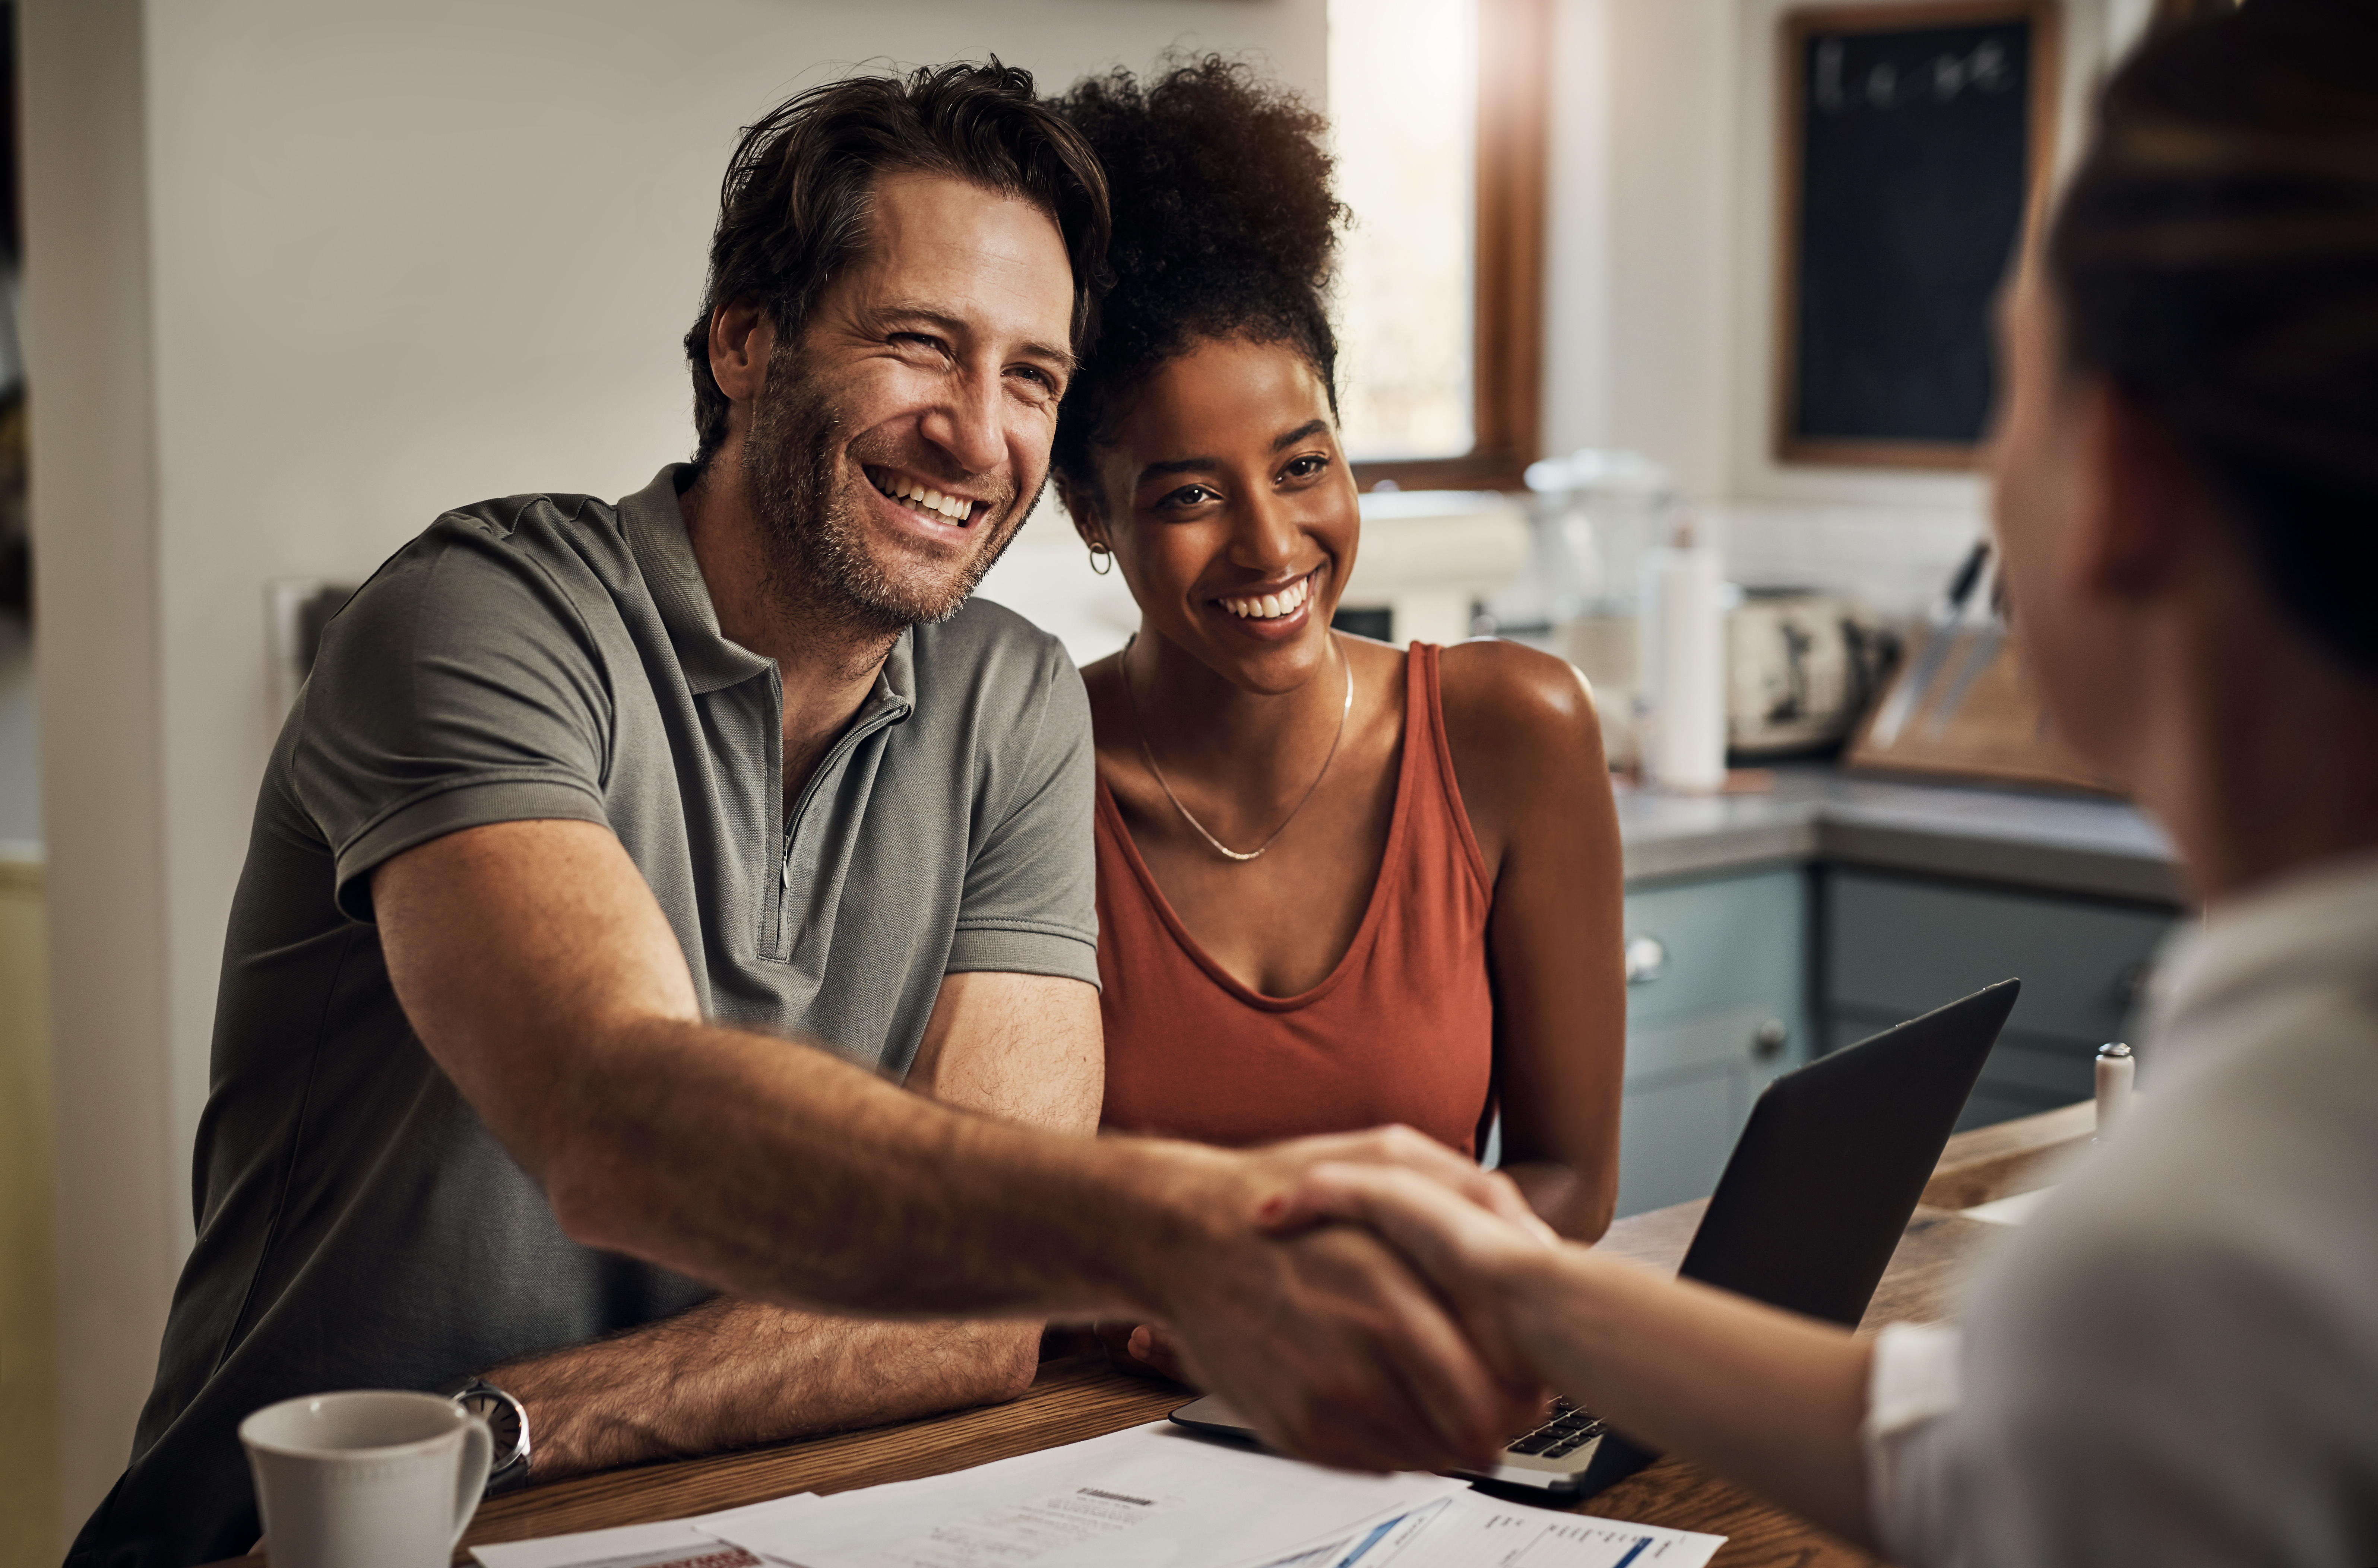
(1081, 1397)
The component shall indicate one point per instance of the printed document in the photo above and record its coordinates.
(1147, 1497)
(1151, 1494)
(673, 1544)
(1476, 1531)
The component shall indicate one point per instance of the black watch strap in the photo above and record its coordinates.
(507, 1420)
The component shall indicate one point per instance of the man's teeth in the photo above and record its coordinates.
(1271, 607)
(952, 506)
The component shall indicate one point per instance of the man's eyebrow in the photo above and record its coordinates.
(957, 327)
(1062, 358)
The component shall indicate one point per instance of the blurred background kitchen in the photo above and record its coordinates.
(281, 280)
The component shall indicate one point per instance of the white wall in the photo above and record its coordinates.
(1661, 299)
(303, 275)
(88, 340)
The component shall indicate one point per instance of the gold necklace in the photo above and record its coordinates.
(1131, 700)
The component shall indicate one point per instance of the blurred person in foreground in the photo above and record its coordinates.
(693, 893)
(2174, 1362)
(1340, 883)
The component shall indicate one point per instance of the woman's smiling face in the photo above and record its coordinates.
(1231, 510)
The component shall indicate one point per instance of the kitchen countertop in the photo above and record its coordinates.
(2061, 843)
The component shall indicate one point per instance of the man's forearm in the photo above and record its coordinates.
(730, 1374)
(787, 1167)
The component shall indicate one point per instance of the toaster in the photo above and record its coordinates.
(1800, 668)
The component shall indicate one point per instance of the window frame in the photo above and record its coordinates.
(1507, 304)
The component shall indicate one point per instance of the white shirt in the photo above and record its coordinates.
(2175, 1361)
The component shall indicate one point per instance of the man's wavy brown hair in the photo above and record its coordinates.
(794, 208)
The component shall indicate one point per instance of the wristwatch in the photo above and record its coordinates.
(507, 1420)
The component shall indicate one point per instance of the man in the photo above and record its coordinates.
(588, 811)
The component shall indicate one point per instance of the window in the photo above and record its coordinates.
(1439, 112)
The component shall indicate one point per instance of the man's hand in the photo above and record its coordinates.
(1143, 1350)
(1327, 1343)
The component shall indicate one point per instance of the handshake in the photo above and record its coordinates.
(1366, 1300)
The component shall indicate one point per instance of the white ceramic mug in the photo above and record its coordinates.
(373, 1479)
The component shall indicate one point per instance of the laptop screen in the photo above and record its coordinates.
(1834, 1158)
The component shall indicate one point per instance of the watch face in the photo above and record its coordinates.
(503, 1418)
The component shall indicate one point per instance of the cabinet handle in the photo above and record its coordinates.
(1647, 960)
(1767, 1040)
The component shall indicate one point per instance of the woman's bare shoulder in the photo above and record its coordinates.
(1521, 730)
(1512, 695)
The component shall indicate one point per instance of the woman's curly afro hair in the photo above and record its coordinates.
(1224, 227)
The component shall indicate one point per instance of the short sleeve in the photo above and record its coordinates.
(1030, 902)
(459, 688)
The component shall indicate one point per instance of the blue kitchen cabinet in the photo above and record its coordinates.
(1895, 947)
(1716, 1005)
(1735, 976)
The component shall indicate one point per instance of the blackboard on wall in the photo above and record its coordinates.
(1914, 139)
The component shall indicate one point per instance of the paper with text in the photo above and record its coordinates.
(674, 1543)
(1476, 1531)
(1151, 1494)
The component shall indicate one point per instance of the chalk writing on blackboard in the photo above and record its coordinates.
(1987, 67)
(1913, 136)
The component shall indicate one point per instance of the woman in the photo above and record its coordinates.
(2173, 1363)
(1339, 883)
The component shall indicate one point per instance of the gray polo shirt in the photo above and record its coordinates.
(556, 656)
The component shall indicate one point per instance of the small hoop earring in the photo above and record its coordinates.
(1101, 559)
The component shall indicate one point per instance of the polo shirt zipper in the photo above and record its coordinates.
(842, 749)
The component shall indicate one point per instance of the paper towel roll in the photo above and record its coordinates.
(1683, 692)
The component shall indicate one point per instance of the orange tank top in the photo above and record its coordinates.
(1402, 1030)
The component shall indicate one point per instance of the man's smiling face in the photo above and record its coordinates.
(901, 438)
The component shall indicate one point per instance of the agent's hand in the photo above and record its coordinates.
(1324, 1338)
(1414, 1156)
(1488, 1265)
(1768, 1399)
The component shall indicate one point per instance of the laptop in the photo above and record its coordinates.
(1819, 1188)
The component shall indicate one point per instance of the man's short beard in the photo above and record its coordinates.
(793, 460)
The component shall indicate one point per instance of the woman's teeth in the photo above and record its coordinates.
(1271, 607)
(951, 506)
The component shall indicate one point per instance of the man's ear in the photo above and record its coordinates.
(2151, 496)
(741, 338)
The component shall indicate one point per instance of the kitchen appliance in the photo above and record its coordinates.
(1428, 558)
(1594, 514)
(1800, 668)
